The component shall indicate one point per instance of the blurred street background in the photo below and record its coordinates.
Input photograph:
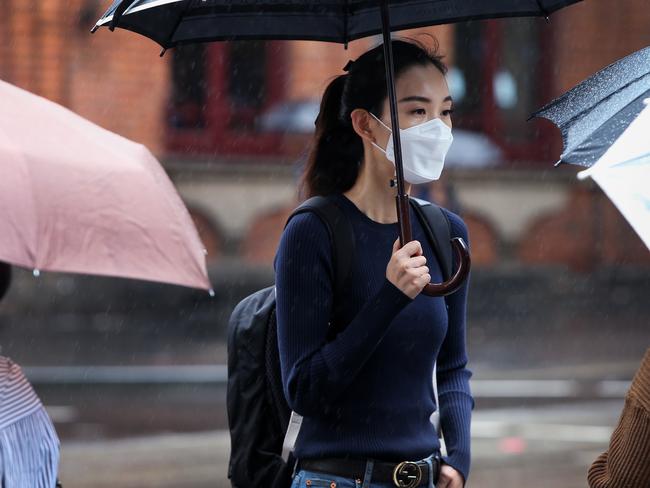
(133, 373)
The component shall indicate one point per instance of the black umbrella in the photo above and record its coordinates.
(593, 114)
(174, 22)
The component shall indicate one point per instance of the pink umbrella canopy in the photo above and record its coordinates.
(77, 198)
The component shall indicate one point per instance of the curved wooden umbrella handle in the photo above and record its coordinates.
(455, 282)
(459, 245)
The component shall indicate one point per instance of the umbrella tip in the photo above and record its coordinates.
(211, 293)
(94, 29)
(543, 10)
(163, 51)
(559, 162)
(36, 272)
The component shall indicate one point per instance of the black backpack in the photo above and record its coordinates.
(258, 414)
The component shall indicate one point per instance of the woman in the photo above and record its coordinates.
(366, 394)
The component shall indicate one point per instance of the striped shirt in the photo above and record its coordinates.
(17, 397)
(29, 446)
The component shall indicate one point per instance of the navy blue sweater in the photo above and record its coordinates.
(368, 392)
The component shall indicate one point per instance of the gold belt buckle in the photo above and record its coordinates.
(407, 474)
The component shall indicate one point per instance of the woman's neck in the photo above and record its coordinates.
(373, 194)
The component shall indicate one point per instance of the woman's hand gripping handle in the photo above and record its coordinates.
(407, 268)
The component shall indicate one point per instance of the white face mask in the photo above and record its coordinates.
(424, 147)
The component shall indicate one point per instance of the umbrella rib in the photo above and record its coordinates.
(543, 10)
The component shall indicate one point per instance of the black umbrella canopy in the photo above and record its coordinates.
(593, 114)
(173, 22)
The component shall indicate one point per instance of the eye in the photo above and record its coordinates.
(419, 111)
(447, 113)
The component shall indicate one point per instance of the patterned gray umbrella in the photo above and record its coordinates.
(174, 22)
(593, 114)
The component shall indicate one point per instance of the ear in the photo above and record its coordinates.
(364, 124)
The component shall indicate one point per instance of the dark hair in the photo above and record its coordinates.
(5, 278)
(337, 151)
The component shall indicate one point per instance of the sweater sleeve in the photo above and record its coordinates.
(454, 397)
(315, 371)
(627, 461)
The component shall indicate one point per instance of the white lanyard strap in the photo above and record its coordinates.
(292, 434)
(435, 416)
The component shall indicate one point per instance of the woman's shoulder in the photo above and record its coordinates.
(305, 238)
(305, 232)
(305, 226)
(314, 217)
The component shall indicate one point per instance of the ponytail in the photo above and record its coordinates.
(336, 153)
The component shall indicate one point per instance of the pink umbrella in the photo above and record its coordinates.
(75, 197)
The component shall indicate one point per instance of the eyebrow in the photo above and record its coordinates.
(416, 98)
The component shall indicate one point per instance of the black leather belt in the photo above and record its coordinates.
(407, 474)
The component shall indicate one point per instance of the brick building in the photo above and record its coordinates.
(213, 114)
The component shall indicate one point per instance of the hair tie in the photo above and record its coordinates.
(348, 66)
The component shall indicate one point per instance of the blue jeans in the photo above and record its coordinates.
(313, 479)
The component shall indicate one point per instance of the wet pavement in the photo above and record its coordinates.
(534, 447)
(538, 428)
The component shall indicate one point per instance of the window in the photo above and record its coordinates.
(218, 92)
(466, 76)
(498, 79)
(188, 97)
(247, 62)
(516, 82)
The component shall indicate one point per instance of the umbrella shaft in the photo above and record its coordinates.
(403, 217)
(402, 198)
(392, 95)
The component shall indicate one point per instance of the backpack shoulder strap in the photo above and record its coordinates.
(340, 232)
(438, 230)
(343, 247)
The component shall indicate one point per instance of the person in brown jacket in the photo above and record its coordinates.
(626, 464)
